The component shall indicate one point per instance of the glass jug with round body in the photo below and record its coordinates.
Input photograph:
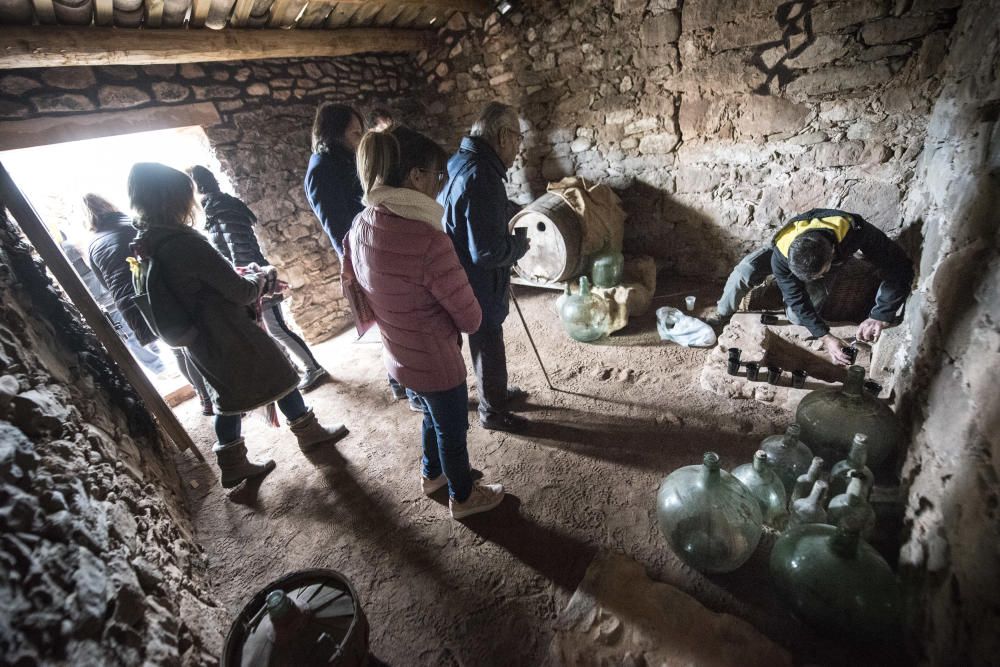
(766, 487)
(607, 268)
(852, 503)
(710, 519)
(789, 457)
(804, 484)
(831, 417)
(809, 509)
(836, 581)
(585, 316)
(855, 462)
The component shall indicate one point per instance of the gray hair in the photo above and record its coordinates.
(494, 117)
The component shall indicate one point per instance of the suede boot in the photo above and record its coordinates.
(234, 465)
(311, 433)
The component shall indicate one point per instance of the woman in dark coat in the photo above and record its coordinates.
(243, 366)
(230, 227)
(111, 244)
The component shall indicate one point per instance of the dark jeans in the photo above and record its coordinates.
(274, 321)
(489, 361)
(446, 421)
(229, 427)
(752, 271)
(190, 372)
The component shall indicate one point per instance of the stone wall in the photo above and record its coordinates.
(262, 141)
(948, 363)
(98, 565)
(714, 120)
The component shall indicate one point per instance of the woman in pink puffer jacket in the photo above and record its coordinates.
(420, 296)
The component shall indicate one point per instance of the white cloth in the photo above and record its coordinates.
(675, 326)
(406, 203)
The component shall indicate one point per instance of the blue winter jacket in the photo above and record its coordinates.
(334, 192)
(476, 213)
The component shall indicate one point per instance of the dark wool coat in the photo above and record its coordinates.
(334, 192)
(107, 253)
(242, 365)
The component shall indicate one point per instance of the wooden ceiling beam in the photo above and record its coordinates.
(199, 12)
(473, 6)
(42, 46)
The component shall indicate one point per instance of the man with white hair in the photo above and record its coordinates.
(476, 215)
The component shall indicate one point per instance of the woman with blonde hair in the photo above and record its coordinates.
(242, 365)
(420, 297)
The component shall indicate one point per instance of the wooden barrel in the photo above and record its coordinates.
(556, 235)
(334, 615)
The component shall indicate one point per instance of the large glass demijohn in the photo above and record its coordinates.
(710, 518)
(585, 316)
(789, 457)
(831, 417)
(607, 268)
(767, 487)
(836, 581)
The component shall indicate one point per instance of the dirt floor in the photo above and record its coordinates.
(486, 591)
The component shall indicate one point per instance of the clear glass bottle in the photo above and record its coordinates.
(607, 268)
(711, 519)
(804, 484)
(836, 582)
(766, 487)
(585, 316)
(789, 457)
(852, 503)
(830, 418)
(809, 509)
(855, 461)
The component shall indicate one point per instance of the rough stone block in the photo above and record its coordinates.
(761, 115)
(823, 49)
(746, 31)
(838, 154)
(71, 78)
(618, 615)
(839, 15)
(17, 85)
(891, 30)
(121, 97)
(660, 30)
(165, 91)
(658, 144)
(839, 79)
(61, 103)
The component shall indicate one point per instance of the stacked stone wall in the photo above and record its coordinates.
(714, 120)
(98, 565)
(948, 362)
(263, 141)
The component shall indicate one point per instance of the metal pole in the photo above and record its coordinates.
(531, 340)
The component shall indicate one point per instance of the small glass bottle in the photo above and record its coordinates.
(852, 503)
(607, 268)
(711, 520)
(768, 489)
(804, 484)
(789, 457)
(809, 509)
(856, 461)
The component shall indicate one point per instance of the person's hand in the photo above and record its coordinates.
(870, 329)
(834, 347)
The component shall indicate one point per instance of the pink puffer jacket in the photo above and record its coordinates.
(419, 294)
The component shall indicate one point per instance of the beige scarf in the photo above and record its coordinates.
(407, 203)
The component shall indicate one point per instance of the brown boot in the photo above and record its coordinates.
(234, 465)
(311, 433)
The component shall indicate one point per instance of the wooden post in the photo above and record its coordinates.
(32, 226)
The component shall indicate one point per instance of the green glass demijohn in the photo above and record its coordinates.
(852, 503)
(804, 483)
(765, 485)
(607, 268)
(840, 474)
(710, 518)
(585, 316)
(789, 457)
(809, 509)
(836, 581)
(831, 417)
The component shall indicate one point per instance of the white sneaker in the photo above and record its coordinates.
(430, 486)
(483, 498)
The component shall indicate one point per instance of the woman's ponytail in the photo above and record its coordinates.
(377, 158)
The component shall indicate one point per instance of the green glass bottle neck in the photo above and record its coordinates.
(845, 541)
(854, 385)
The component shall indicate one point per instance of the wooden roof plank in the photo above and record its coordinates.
(241, 12)
(44, 46)
(154, 13)
(199, 13)
(45, 12)
(104, 12)
(278, 11)
(474, 6)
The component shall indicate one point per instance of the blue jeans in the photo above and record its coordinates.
(229, 427)
(446, 421)
(752, 271)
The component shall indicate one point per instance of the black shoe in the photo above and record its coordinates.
(507, 421)
(515, 393)
(717, 320)
(398, 391)
(415, 404)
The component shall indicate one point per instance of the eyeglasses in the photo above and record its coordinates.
(441, 176)
(520, 136)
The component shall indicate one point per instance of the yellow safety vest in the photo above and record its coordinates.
(837, 224)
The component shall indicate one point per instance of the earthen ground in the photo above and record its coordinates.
(486, 591)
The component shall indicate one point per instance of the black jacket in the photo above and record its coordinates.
(107, 252)
(894, 268)
(229, 224)
(334, 192)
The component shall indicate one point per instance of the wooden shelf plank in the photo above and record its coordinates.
(61, 46)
